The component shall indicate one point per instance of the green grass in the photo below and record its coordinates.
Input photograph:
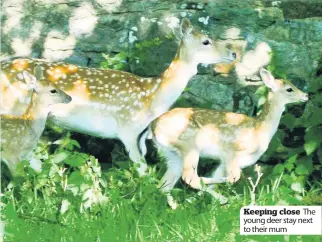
(129, 207)
(135, 211)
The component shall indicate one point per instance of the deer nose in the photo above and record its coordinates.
(305, 97)
(68, 99)
(234, 55)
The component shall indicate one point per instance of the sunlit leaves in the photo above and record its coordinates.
(278, 169)
(76, 159)
(67, 143)
(59, 157)
(116, 62)
(148, 43)
(76, 178)
(290, 163)
(311, 145)
(121, 60)
(297, 186)
(301, 169)
(313, 138)
(261, 94)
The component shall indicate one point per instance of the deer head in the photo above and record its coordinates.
(197, 47)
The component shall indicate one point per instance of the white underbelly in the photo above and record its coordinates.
(86, 120)
(211, 151)
(250, 159)
(245, 160)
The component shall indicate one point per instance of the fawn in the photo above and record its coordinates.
(20, 134)
(116, 104)
(182, 135)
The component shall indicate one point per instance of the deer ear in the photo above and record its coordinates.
(30, 80)
(177, 32)
(268, 79)
(186, 27)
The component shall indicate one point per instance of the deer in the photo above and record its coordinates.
(182, 135)
(109, 103)
(20, 134)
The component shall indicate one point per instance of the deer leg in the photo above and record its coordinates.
(220, 175)
(134, 153)
(190, 176)
(190, 165)
(12, 163)
(220, 172)
(233, 169)
(171, 176)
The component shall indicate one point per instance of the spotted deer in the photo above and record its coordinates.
(19, 135)
(182, 135)
(117, 104)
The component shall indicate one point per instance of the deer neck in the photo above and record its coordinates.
(271, 114)
(173, 81)
(36, 114)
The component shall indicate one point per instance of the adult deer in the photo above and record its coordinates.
(20, 134)
(182, 135)
(116, 104)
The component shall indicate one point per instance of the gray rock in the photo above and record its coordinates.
(206, 92)
(80, 31)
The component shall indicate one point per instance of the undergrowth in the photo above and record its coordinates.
(72, 199)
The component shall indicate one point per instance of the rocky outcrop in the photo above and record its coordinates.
(80, 31)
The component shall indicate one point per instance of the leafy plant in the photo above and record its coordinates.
(68, 177)
(116, 62)
(72, 200)
(120, 61)
(297, 144)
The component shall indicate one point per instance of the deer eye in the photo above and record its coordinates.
(53, 91)
(206, 42)
(289, 90)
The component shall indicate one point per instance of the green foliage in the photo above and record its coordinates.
(275, 68)
(261, 94)
(116, 62)
(135, 209)
(71, 199)
(300, 162)
(67, 177)
(313, 138)
(146, 44)
(120, 61)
